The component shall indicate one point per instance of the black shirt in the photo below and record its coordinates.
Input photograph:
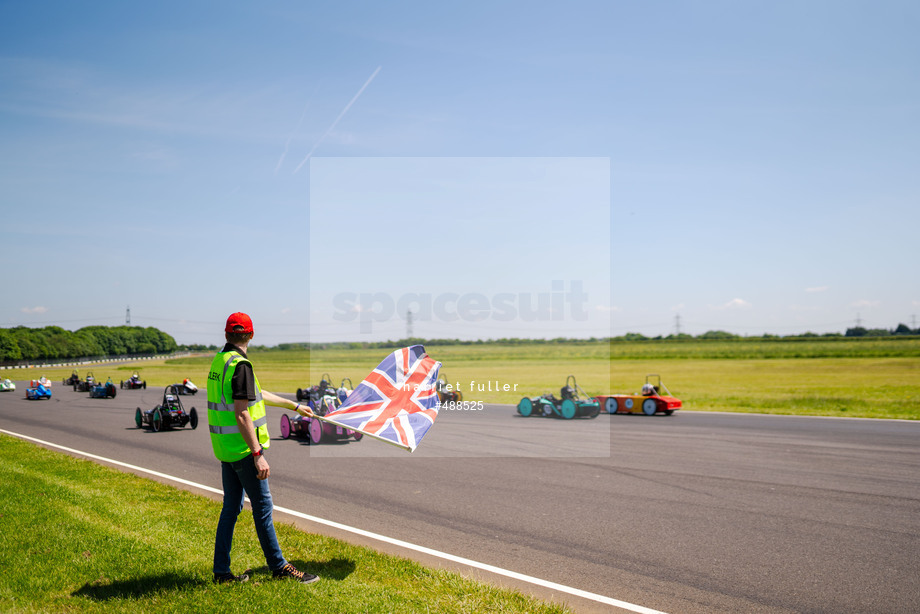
(243, 384)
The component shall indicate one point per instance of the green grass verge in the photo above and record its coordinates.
(79, 537)
(865, 377)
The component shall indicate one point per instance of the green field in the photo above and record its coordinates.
(866, 377)
(92, 539)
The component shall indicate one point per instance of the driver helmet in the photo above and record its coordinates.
(648, 390)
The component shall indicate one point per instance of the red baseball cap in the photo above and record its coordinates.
(238, 322)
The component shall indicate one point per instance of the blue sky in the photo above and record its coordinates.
(761, 160)
(494, 236)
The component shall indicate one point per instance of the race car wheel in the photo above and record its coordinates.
(316, 431)
(668, 412)
(122, 384)
(138, 420)
(525, 407)
(611, 406)
(145, 384)
(285, 426)
(299, 395)
(547, 409)
(649, 407)
(568, 409)
(157, 420)
(357, 435)
(193, 418)
(596, 409)
(110, 390)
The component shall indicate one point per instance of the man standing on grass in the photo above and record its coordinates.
(239, 436)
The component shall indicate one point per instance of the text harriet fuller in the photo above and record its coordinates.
(489, 386)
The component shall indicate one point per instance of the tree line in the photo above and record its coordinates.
(53, 342)
(856, 331)
(900, 329)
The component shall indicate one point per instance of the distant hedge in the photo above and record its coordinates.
(901, 331)
(23, 343)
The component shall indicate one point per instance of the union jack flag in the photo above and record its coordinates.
(397, 402)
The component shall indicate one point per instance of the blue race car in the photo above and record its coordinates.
(103, 391)
(38, 391)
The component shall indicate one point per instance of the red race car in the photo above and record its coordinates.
(650, 402)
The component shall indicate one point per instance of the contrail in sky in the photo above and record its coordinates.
(287, 145)
(342, 114)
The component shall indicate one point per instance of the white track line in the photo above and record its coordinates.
(376, 536)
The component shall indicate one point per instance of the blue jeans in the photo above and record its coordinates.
(240, 477)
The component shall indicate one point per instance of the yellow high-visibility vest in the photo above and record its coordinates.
(226, 439)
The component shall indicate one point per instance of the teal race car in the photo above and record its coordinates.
(570, 405)
(103, 391)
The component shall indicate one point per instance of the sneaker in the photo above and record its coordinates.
(225, 578)
(289, 571)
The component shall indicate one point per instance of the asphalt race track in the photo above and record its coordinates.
(697, 512)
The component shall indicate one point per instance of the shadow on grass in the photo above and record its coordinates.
(334, 569)
(104, 590)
